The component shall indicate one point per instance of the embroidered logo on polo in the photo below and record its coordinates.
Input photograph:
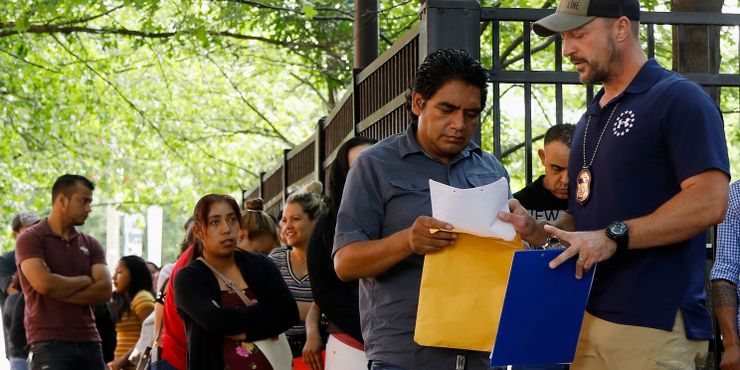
(624, 123)
(85, 250)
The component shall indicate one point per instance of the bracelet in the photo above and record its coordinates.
(160, 297)
(552, 243)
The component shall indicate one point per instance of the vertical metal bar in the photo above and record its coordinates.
(528, 130)
(651, 40)
(589, 94)
(527, 46)
(496, 66)
(285, 176)
(681, 48)
(319, 150)
(558, 86)
(712, 51)
(356, 96)
(262, 185)
(527, 103)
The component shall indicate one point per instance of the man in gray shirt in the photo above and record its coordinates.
(383, 223)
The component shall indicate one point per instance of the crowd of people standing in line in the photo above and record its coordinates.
(638, 204)
(191, 313)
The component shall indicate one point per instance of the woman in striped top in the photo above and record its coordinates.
(133, 301)
(301, 211)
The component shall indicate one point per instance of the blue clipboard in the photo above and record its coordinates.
(542, 312)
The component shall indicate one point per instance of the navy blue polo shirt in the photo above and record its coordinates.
(663, 130)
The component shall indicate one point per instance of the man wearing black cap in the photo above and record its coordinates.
(649, 174)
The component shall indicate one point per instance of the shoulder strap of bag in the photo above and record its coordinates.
(228, 282)
(277, 351)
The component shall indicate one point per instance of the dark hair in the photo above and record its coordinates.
(309, 198)
(150, 263)
(200, 213)
(141, 279)
(443, 66)
(562, 132)
(189, 239)
(66, 184)
(256, 221)
(340, 168)
(15, 282)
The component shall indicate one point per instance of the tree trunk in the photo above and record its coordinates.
(691, 49)
(692, 54)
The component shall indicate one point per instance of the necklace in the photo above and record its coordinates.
(583, 188)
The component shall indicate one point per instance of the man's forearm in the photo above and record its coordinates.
(370, 258)
(60, 287)
(701, 203)
(724, 295)
(99, 291)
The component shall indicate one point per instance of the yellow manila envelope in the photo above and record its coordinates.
(462, 293)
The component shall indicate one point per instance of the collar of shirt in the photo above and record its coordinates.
(46, 230)
(408, 145)
(644, 80)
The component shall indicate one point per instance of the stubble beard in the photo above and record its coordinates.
(602, 72)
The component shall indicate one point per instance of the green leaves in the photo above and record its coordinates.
(309, 11)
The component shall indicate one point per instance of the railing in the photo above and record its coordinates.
(373, 107)
(374, 103)
(548, 51)
(536, 84)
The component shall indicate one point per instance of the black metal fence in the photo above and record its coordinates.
(374, 103)
(372, 107)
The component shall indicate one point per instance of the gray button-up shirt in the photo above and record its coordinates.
(386, 190)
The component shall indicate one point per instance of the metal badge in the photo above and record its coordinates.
(583, 188)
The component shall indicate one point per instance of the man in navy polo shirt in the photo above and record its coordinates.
(649, 174)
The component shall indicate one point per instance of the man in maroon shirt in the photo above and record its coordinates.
(63, 272)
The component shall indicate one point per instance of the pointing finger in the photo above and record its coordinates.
(560, 234)
(562, 257)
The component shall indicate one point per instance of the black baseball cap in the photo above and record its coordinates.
(572, 14)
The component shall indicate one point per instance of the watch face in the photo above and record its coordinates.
(618, 228)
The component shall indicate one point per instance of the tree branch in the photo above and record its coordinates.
(131, 104)
(24, 60)
(505, 62)
(516, 147)
(313, 88)
(8, 29)
(517, 41)
(250, 105)
(346, 16)
(92, 17)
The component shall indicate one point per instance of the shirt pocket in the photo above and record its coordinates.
(407, 185)
(481, 179)
(409, 199)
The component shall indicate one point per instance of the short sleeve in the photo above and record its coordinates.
(97, 255)
(727, 261)
(28, 245)
(694, 130)
(143, 303)
(361, 211)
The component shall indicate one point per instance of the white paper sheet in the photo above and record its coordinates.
(473, 211)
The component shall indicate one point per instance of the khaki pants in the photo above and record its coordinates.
(609, 346)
